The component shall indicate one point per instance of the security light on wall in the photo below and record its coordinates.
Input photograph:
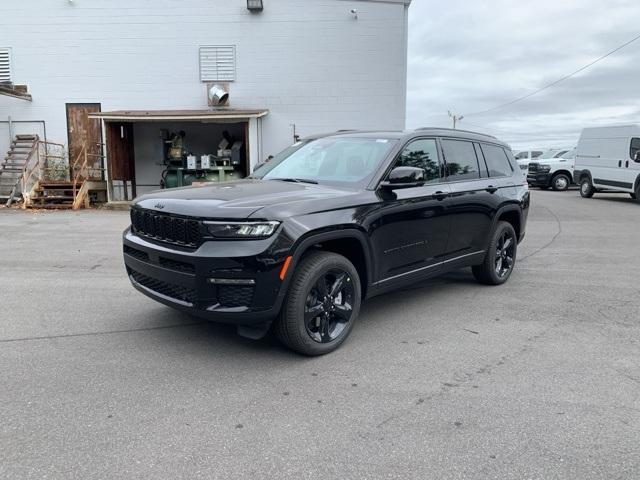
(254, 5)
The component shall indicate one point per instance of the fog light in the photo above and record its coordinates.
(231, 281)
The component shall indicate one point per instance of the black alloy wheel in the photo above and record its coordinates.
(498, 262)
(505, 252)
(329, 306)
(322, 304)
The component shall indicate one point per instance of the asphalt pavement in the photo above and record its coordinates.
(536, 379)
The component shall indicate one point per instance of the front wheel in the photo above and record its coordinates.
(560, 182)
(322, 304)
(500, 258)
(586, 188)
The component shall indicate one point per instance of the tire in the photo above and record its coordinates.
(586, 188)
(636, 196)
(313, 320)
(499, 260)
(560, 182)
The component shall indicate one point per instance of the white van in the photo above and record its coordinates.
(608, 160)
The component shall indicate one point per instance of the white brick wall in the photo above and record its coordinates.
(308, 61)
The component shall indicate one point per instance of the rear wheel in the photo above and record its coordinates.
(500, 258)
(322, 304)
(560, 182)
(586, 188)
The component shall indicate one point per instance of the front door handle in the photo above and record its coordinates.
(619, 163)
(491, 189)
(440, 195)
(626, 164)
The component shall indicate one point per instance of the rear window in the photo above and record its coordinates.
(462, 163)
(497, 161)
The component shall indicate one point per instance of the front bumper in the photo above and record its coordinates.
(539, 179)
(181, 278)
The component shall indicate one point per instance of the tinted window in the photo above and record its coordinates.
(483, 165)
(522, 155)
(422, 153)
(497, 161)
(461, 159)
(535, 154)
(635, 147)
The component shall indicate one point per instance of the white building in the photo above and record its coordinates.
(142, 69)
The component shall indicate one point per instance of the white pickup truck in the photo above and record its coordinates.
(553, 169)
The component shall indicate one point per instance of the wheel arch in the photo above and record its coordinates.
(511, 214)
(565, 172)
(349, 242)
(585, 174)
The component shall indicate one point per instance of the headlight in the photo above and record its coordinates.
(544, 168)
(242, 229)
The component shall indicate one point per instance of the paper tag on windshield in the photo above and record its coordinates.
(382, 140)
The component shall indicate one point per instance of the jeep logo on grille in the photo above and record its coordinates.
(159, 206)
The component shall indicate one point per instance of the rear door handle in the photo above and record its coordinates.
(440, 195)
(619, 163)
(626, 164)
(491, 189)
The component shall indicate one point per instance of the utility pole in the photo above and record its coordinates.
(455, 118)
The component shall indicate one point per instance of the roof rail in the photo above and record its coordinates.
(456, 130)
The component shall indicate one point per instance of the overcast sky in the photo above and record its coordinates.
(468, 56)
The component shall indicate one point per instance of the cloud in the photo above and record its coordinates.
(471, 56)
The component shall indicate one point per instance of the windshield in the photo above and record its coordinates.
(347, 161)
(551, 154)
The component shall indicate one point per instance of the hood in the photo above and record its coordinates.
(239, 199)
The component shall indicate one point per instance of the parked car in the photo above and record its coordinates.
(608, 160)
(525, 157)
(553, 169)
(301, 243)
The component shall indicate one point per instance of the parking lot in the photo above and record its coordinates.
(539, 378)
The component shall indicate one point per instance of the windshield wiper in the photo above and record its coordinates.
(296, 180)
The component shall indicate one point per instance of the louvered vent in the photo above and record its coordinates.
(5, 65)
(218, 63)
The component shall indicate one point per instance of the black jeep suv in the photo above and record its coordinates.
(337, 219)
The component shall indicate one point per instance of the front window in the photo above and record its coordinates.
(635, 148)
(340, 161)
(421, 153)
(569, 155)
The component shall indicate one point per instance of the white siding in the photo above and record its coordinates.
(308, 61)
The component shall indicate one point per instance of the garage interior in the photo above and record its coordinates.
(151, 150)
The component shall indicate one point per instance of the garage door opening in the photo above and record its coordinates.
(147, 151)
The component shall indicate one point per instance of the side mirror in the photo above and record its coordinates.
(404, 177)
(636, 157)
